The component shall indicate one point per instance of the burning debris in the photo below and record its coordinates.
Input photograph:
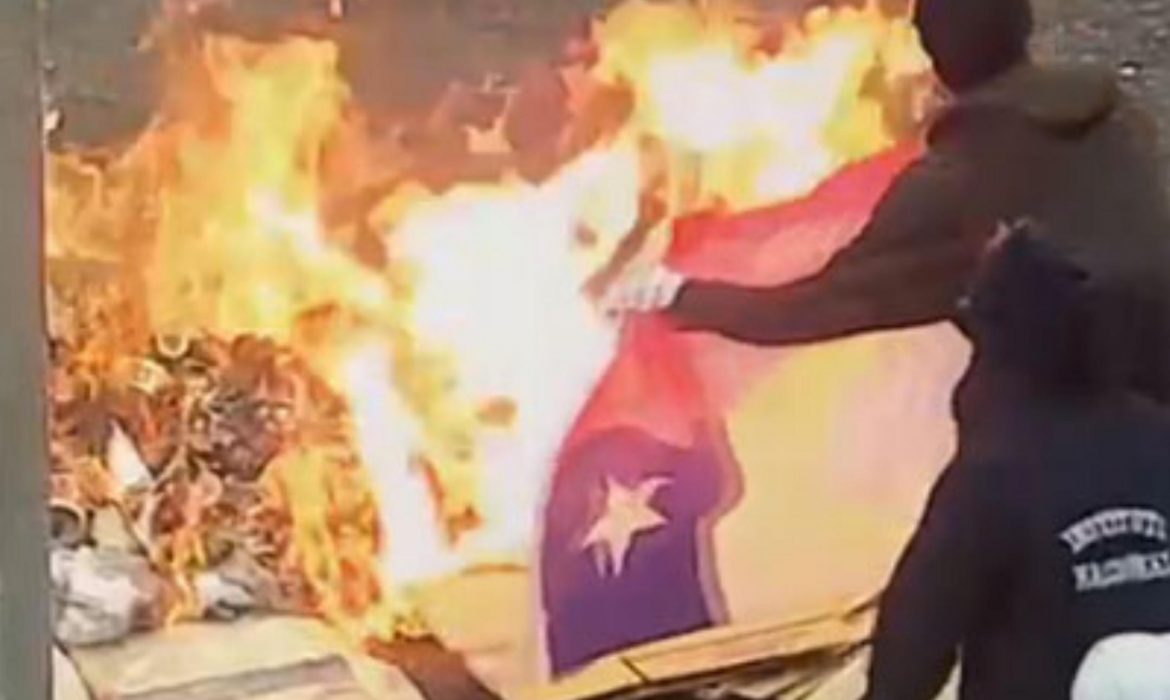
(179, 465)
(307, 353)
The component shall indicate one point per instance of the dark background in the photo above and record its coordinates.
(1131, 35)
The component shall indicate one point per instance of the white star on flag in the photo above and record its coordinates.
(627, 514)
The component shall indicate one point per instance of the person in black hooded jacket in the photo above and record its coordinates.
(1057, 145)
(1048, 531)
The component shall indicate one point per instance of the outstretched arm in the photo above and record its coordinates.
(908, 268)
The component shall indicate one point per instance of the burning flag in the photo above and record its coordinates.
(650, 472)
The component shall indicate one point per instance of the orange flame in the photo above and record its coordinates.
(462, 352)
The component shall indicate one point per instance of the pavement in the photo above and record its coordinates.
(1132, 36)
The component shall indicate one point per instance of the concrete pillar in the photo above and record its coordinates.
(24, 588)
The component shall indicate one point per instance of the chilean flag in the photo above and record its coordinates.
(707, 482)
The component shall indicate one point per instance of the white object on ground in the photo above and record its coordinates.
(1125, 667)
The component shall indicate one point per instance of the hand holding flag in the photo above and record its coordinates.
(647, 291)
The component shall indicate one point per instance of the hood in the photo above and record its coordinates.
(1066, 100)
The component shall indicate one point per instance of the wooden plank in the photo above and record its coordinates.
(849, 682)
(608, 677)
(710, 653)
(329, 676)
(742, 645)
(271, 658)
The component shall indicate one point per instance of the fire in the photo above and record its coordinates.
(405, 367)
(767, 117)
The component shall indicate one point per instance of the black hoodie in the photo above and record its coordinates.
(1048, 532)
(1045, 536)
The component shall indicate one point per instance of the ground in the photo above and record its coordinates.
(1133, 36)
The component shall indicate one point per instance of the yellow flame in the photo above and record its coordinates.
(768, 127)
(385, 432)
(463, 357)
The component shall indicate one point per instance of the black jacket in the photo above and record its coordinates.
(1056, 146)
(1046, 534)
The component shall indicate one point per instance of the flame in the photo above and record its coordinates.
(767, 126)
(434, 348)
